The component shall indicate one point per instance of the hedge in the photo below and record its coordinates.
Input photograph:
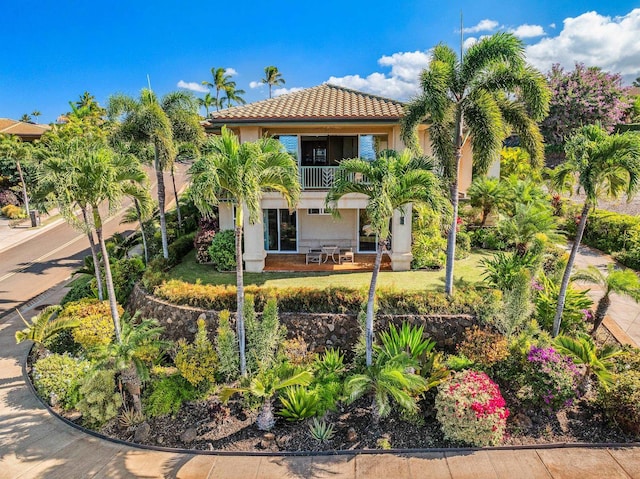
(478, 302)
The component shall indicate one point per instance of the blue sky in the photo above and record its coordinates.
(60, 49)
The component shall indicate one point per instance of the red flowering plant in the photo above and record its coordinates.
(471, 409)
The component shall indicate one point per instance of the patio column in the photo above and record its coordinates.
(401, 240)
(254, 253)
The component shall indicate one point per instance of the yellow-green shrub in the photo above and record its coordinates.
(483, 347)
(96, 325)
(197, 361)
(13, 212)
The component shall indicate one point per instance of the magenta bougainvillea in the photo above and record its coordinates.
(584, 96)
(471, 409)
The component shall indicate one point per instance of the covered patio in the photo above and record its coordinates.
(298, 262)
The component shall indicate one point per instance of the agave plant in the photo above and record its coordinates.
(321, 430)
(266, 386)
(45, 325)
(597, 361)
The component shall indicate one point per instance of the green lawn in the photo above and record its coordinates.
(466, 269)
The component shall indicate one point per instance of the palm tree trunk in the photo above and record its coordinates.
(601, 312)
(265, 420)
(371, 303)
(94, 254)
(25, 197)
(113, 305)
(175, 195)
(142, 233)
(240, 292)
(562, 294)
(161, 203)
(451, 235)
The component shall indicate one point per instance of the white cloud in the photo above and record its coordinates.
(255, 84)
(528, 31)
(595, 40)
(485, 25)
(284, 91)
(552, 25)
(230, 71)
(193, 86)
(400, 83)
(469, 42)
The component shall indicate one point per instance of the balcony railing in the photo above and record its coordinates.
(321, 177)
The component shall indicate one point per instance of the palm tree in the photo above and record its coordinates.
(26, 118)
(488, 194)
(207, 102)
(155, 129)
(242, 173)
(88, 175)
(393, 182)
(13, 148)
(232, 95)
(35, 114)
(45, 325)
(221, 81)
(477, 98)
(530, 224)
(602, 164)
(272, 77)
(615, 281)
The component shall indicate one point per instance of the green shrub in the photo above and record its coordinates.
(428, 244)
(197, 361)
(223, 251)
(298, 403)
(227, 348)
(471, 409)
(518, 306)
(62, 343)
(57, 379)
(621, 401)
(13, 212)
(463, 244)
(96, 325)
(100, 401)
(80, 289)
(168, 394)
(180, 248)
(263, 336)
(488, 238)
(502, 269)
(328, 374)
(126, 273)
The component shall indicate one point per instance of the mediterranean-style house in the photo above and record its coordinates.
(321, 126)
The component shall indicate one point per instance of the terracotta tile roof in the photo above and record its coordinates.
(321, 103)
(22, 129)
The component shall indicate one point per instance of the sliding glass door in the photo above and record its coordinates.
(280, 231)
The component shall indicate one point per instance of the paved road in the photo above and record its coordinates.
(41, 262)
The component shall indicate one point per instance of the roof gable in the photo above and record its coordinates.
(22, 129)
(321, 103)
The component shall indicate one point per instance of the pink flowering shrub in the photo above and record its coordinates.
(550, 379)
(471, 409)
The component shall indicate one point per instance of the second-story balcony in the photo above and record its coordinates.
(321, 177)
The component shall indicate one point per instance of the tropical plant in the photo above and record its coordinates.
(596, 361)
(15, 149)
(226, 347)
(242, 173)
(618, 281)
(221, 81)
(476, 98)
(26, 118)
(265, 386)
(57, 378)
(621, 401)
(299, 403)
(529, 225)
(232, 95)
(574, 314)
(154, 130)
(197, 361)
(263, 336)
(517, 305)
(602, 164)
(321, 430)
(386, 381)
(393, 182)
(502, 269)
(207, 102)
(488, 194)
(168, 394)
(272, 77)
(99, 401)
(130, 355)
(44, 325)
(514, 161)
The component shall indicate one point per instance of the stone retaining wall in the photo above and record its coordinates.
(319, 330)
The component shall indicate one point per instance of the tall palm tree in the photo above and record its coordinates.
(221, 82)
(392, 182)
(26, 118)
(272, 77)
(156, 129)
(88, 175)
(13, 148)
(35, 114)
(242, 173)
(207, 102)
(480, 98)
(615, 281)
(602, 165)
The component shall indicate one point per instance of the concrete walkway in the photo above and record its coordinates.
(33, 444)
